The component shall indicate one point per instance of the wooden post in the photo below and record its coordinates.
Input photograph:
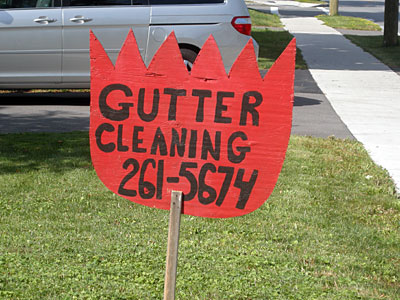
(172, 248)
(333, 7)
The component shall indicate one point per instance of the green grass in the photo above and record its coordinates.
(264, 19)
(374, 45)
(330, 230)
(272, 44)
(312, 1)
(353, 23)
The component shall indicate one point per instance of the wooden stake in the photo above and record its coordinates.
(172, 248)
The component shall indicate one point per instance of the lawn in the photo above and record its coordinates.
(353, 23)
(264, 19)
(330, 230)
(312, 1)
(272, 43)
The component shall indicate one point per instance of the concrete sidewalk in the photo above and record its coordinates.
(364, 92)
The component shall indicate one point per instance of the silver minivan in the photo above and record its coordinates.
(45, 43)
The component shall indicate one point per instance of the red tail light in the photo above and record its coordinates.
(242, 24)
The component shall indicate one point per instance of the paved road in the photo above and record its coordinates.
(312, 113)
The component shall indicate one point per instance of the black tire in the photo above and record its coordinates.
(189, 56)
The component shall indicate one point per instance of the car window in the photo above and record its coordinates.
(26, 3)
(102, 2)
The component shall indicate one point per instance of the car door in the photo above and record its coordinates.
(110, 20)
(30, 42)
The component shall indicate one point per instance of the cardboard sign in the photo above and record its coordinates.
(219, 139)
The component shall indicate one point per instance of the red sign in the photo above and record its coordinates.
(220, 139)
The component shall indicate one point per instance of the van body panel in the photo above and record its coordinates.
(194, 23)
(56, 55)
(30, 49)
(110, 29)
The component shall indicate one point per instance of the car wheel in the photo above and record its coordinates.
(189, 56)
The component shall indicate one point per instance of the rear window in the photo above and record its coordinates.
(102, 2)
(166, 2)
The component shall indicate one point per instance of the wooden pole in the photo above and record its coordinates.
(333, 7)
(172, 248)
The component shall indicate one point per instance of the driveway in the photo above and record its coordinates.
(44, 112)
(51, 112)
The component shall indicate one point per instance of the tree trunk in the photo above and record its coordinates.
(391, 25)
(333, 7)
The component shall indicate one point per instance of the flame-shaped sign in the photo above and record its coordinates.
(220, 139)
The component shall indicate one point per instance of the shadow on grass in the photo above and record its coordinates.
(272, 44)
(26, 152)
